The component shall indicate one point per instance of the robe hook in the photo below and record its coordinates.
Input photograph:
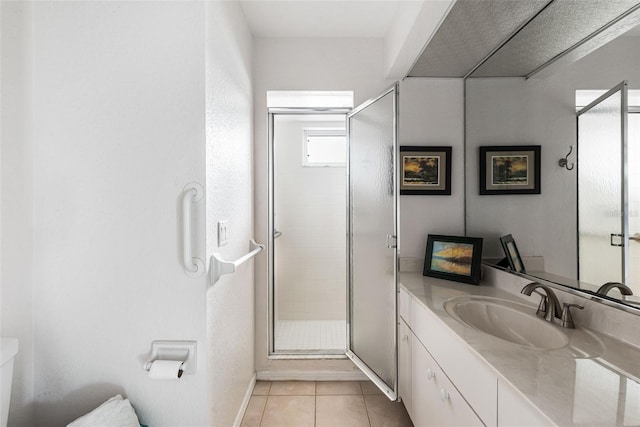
(563, 162)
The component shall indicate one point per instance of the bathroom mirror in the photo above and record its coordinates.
(542, 111)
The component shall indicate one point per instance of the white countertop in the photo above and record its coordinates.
(599, 388)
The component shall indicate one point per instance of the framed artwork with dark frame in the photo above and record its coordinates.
(512, 254)
(425, 170)
(510, 169)
(453, 258)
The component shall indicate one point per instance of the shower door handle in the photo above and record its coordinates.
(620, 239)
(192, 193)
(395, 241)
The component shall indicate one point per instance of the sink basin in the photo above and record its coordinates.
(507, 320)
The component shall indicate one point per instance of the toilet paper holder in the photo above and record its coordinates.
(175, 350)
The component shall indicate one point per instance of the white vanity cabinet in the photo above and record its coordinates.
(436, 401)
(442, 382)
(429, 396)
(405, 341)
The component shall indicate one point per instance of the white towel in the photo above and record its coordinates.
(115, 412)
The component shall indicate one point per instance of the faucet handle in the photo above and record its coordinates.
(542, 307)
(567, 319)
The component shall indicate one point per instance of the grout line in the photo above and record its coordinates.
(315, 403)
(264, 409)
(366, 408)
(292, 395)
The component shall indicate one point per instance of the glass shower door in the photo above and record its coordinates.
(634, 201)
(603, 225)
(372, 240)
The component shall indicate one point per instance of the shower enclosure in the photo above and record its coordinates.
(333, 227)
(608, 196)
(309, 194)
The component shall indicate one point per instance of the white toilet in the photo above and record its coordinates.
(8, 350)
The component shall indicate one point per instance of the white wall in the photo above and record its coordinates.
(539, 112)
(119, 97)
(123, 94)
(17, 249)
(432, 113)
(229, 121)
(310, 207)
(303, 64)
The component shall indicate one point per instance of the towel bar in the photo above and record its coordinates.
(218, 267)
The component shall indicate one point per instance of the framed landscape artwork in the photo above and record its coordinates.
(512, 254)
(453, 258)
(510, 169)
(425, 170)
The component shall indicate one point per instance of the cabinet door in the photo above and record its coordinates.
(436, 402)
(404, 366)
(471, 375)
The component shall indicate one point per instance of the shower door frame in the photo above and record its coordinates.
(389, 390)
(272, 353)
(621, 87)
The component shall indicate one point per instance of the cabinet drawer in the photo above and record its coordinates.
(436, 402)
(472, 377)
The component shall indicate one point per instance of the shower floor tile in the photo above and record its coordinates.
(311, 335)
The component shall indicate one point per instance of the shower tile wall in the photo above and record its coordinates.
(311, 335)
(310, 206)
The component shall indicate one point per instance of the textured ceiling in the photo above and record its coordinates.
(470, 32)
(557, 28)
(521, 36)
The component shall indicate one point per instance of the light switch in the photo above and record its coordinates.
(222, 233)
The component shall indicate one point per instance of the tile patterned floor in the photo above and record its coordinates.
(322, 404)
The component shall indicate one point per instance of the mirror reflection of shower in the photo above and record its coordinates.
(600, 187)
(634, 194)
(309, 194)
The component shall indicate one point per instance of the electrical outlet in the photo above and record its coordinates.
(223, 237)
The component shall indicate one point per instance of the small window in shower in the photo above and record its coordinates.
(324, 147)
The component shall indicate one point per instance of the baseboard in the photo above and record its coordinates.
(311, 376)
(245, 402)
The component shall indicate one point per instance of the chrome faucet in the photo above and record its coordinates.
(549, 307)
(604, 289)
